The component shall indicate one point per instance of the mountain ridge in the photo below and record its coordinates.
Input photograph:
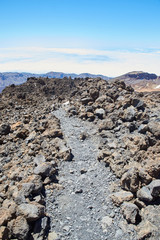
(141, 81)
(8, 78)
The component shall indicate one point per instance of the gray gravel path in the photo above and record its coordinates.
(83, 210)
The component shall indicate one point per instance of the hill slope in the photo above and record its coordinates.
(141, 81)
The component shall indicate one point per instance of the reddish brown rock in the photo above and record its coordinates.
(130, 180)
(119, 197)
(5, 216)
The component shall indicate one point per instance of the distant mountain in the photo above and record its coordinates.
(141, 81)
(8, 78)
(72, 75)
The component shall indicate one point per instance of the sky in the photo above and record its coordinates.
(109, 37)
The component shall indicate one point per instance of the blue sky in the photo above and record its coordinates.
(109, 37)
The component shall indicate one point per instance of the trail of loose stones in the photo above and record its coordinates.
(83, 210)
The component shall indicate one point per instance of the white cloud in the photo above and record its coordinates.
(110, 63)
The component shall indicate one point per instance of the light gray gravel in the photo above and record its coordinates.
(83, 210)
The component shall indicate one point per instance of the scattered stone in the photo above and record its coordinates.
(44, 169)
(140, 105)
(144, 176)
(5, 129)
(23, 133)
(83, 136)
(149, 192)
(86, 100)
(5, 216)
(130, 180)
(100, 113)
(65, 153)
(149, 226)
(10, 205)
(31, 212)
(154, 128)
(130, 212)
(52, 236)
(83, 171)
(94, 93)
(145, 230)
(27, 188)
(143, 128)
(144, 194)
(39, 159)
(78, 191)
(66, 105)
(106, 222)
(66, 228)
(152, 167)
(119, 197)
(154, 188)
(37, 181)
(129, 114)
(106, 124)
(19, 228)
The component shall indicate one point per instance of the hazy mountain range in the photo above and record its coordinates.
(8, 78)
(140, 81)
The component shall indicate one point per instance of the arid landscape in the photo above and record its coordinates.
(78, 155)
(79, 120)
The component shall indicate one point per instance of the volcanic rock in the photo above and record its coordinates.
(19, 228)
(121, 196)
(144, 194)
(30, 211)
(130, 211)
(130, 180)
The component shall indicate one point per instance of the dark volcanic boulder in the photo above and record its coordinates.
(5, 129)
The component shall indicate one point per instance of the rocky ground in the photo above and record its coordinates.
(83, 209)
(80, 159)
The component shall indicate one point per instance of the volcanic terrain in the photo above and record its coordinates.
(79, 159)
